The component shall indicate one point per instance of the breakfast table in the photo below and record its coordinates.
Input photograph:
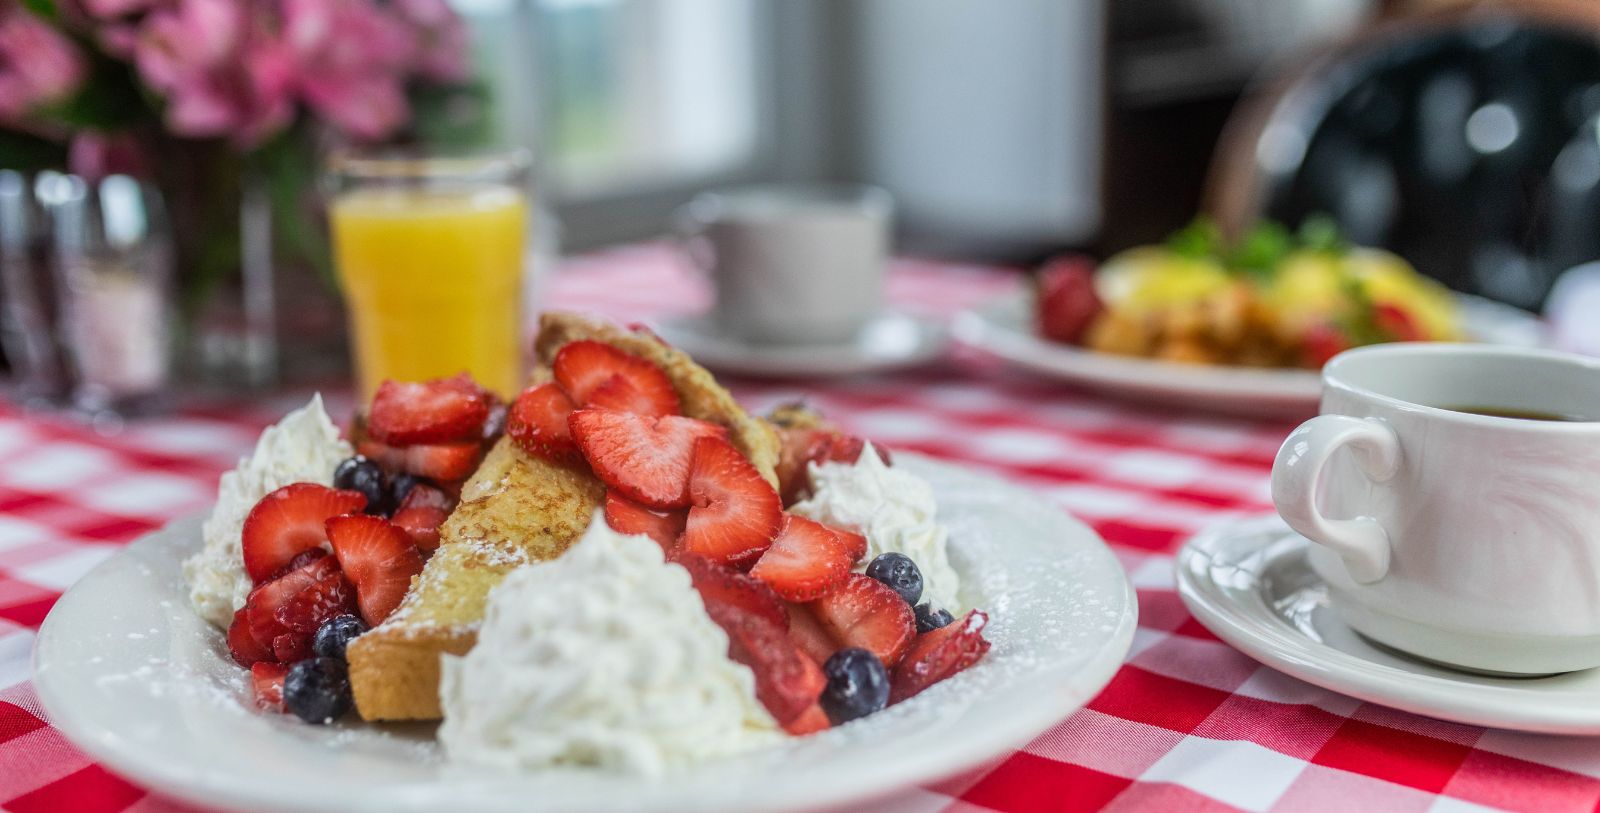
(1188, 723)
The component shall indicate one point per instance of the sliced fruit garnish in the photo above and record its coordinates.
(733, 511)
(436, 461)
(289, 521)
(645, 459)
(300, 560)
(1067, 300)
(807, 633)
(806, 559)
(855, 545)
(538, 423)
(723, 586)
(597, 375)
(804, 446)
(421, 513)
(437, 411)
(242, 645)
(938, 654)
(787, 681)
(266, 684)
(379, 558)
(329, 596)
(628, 517)
(282, 614)
(865, 612)
(810, 721)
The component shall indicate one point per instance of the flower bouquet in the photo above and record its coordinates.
(228, 106)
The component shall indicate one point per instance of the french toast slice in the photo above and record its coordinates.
(517, 508)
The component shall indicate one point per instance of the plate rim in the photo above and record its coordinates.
(1269, 389)
(107, 747)
(1273, 643)
(807, 361)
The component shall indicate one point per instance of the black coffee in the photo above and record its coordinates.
(1519, 414)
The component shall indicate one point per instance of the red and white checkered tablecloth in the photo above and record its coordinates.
(1187, 724)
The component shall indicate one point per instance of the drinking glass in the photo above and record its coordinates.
(430, 253)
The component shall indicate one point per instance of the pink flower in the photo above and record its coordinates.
(441, 37)
(37, 64)
(219, 68)
(351, 59)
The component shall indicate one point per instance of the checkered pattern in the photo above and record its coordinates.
(1187, 724)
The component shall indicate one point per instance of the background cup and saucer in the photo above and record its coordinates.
(798, 275)
(1437, 547)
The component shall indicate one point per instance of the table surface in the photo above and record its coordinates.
(1187, 724)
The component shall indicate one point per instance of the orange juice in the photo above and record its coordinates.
(433, 278)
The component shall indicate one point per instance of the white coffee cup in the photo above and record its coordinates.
(792, 264)
(1467, 539)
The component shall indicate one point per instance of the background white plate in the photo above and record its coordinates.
(130, 674)
(1005, 328)
(1249, 582)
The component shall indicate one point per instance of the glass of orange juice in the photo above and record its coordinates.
(430, 254)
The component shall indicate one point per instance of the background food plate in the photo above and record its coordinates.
(135, 678)
(1005, 328)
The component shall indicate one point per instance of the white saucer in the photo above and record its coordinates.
(892, 340)
(131, 675)
(1250, 583)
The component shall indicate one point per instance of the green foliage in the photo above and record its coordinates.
(1201, 239)
(1259, 251)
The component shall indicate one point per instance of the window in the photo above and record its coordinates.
(645, 93)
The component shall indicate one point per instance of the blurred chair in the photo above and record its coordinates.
(1462, 137)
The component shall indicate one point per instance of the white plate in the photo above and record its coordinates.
(132, 676)
(1005, 328)
(1250, 583)
(891, 341)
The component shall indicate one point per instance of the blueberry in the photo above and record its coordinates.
(929, 619)
(317, 690)
(363, 475)
(899, 572)
(858, 685)
(335, 634)
(399, 486)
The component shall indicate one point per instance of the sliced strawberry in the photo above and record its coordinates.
(733, 511)
(855, 545)
(808, 634)
(282, 615)
(722, 586)
(300, 560)
(628, 517)
(329, 595)
(938, 654)
(1067, 300)
(379, 558)
(289, 521)
(421, 513)
(806, 560)
(645, 459)
(597, 375)
(438, 461)
(437, 411)
(538, 423)
(291, 647)
(1397, 322)
(1323, 342)
(242, 645)
(266, 684)
(802, 447)
(810, 721)
(867, 613)
(787, 681)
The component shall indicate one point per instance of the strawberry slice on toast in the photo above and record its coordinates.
(439, 411)
(290, 521)
(379, 557)
(598, 376)
(733, 511)
(628, 517)
(538, 423)
(645, 459)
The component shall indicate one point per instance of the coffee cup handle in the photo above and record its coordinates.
(1360, 541)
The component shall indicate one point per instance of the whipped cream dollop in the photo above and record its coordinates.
(304, 447)
(894, 509)
(604, 657)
